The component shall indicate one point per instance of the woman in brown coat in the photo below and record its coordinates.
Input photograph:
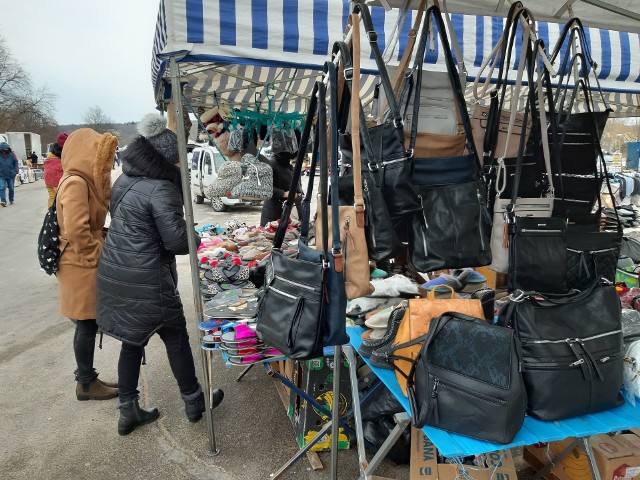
(82, 204)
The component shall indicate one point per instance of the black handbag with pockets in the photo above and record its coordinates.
(452, 229)
(457, 383)
(572, 350)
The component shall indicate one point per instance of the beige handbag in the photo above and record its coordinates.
(355, 254)
(416, 321)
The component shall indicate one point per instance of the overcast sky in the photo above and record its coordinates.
(86, 52)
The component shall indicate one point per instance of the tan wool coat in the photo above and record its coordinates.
(82, 203)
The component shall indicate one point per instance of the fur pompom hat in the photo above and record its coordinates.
(153, 127)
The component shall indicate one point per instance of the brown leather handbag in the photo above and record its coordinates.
(416, 321)
(355, 254)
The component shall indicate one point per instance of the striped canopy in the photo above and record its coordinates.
(249, 53)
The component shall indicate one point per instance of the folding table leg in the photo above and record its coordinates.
(592, 460)
(557, 459)
(402, 422)
(244, 372)
(357, 414)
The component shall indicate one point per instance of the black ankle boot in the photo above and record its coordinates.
(132, 416)
(196, 407)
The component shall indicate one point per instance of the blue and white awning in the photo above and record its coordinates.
(236, 47)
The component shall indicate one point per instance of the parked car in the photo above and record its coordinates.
(205, 162)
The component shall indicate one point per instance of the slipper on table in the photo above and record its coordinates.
(457, 280)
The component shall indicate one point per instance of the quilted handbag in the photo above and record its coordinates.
(415, 324)
(229, 175)
(458, 384)
(572, 350)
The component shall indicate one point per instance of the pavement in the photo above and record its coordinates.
(46, 433)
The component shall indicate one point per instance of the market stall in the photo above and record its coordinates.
(217, 66)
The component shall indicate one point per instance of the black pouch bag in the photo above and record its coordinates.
(572, 350)
(453, 227)
(297, 313)
(383, 242)
(458, 384)
(389, 161)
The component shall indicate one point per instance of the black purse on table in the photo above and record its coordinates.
(466, 379)
(572, 350)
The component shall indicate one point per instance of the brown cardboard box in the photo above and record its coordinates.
(424, 463)
(618, 458)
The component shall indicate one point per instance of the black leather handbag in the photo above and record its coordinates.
(453, 227)
(572, 350)
(389, 160)
(458, 384)
(304, 303)
(383, 242)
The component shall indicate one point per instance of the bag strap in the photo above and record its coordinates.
(454, 80)
(365, 16)
(114, 207)
(330, 68)
(295, 178)
(323, 132)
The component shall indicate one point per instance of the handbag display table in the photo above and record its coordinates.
(533, 430)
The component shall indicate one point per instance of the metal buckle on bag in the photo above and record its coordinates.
(518, 296)
(348, 73)
(373, 36)
(409, 153)
(398, 123)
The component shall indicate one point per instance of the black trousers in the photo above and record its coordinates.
(176, 341)
(84, 347)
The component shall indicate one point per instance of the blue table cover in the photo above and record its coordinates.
(532, 431)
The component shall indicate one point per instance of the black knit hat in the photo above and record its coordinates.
(153, 127)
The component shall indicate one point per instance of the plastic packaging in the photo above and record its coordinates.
(632, 372)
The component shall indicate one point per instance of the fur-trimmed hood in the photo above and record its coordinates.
(140, 159)
(90, 155)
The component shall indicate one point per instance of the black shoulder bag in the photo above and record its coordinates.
(466, 379)
(572, 350)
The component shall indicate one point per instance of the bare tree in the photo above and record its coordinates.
(22, 108)
(96, 116)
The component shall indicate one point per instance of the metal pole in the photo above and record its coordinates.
(335, 411)
(176, 97)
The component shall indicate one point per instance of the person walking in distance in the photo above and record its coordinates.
(8, 172)
(137, 275)
(82, 204)
(53, 167)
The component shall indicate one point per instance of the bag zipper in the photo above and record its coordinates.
(285, 294)
(302, 285)
(586, 339)
(577, 363)
(539, 230)
(372, 229)
(592, 251)
(426, 226)
(480, 220)
(437, 382)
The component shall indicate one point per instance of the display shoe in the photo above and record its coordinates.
(95, 390)
(132, 417)
(371, 344)
(380, 357)
(108, 384)
(196, 407)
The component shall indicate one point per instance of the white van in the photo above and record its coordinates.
(205, 162)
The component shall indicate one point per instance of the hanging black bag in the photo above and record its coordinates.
(296, 311)
(572, 350)
(458, 384)
(453, 226)
(382, 240)
(389, 160)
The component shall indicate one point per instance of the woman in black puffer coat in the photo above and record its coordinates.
(137, 277)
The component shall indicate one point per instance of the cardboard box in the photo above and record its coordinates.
(617, 457)
(315, 377)
(424, 463)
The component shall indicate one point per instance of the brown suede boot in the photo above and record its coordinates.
(108, 384)
(95, 391)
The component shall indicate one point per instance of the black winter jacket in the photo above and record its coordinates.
(137, 276)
